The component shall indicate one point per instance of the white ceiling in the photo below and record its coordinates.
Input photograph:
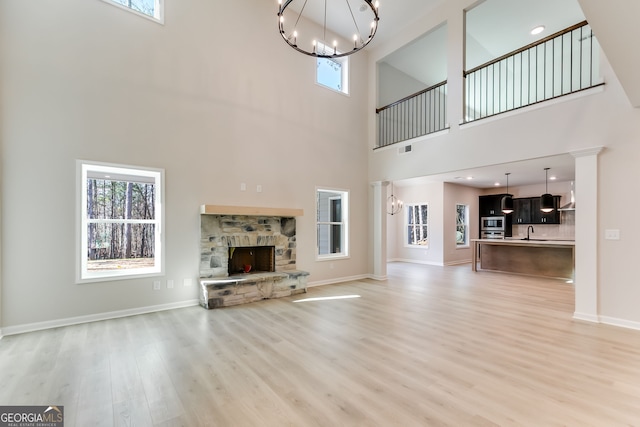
(525, 172)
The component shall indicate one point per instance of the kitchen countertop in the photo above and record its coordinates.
(520, 241)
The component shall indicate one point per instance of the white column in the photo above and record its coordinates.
(586, 255)
(379, 213)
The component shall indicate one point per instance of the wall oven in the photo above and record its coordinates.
(492, 223)
(492, 234)
(492, 227)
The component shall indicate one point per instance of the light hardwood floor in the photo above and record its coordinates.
(432, 346)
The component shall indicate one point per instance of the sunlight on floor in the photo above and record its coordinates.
(327, 298)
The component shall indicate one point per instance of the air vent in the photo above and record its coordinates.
(404, 150)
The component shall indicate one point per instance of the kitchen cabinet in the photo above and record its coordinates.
(539, 217)
(522, 211)
(490, 205)
(527, 211)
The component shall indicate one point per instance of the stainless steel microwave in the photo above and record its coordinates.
(492, 223)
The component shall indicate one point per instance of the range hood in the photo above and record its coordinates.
(571, 206)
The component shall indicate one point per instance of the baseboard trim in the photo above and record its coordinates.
(629, 324)
(337, 280)
(379, 278)
(586, 317)
(49, 324)
(460, 262)
(417, 261)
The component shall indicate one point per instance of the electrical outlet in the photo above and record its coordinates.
(156, 285)
(258, 188)
(169, 284)
(612, 234)
(243, 187)
(187, 282)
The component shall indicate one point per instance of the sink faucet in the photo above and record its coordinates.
(529, 228)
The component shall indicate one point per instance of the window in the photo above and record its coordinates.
(417, 225)
(120, 221)
(462, 225)
(332, 72)
(153, 9)
(332, 214)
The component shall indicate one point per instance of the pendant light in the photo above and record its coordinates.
(394, 205)
(546, 200)
(507, 201)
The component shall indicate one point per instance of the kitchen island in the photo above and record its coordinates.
(548, 258)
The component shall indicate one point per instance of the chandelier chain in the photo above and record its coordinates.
(353, 18)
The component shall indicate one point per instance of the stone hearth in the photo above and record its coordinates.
(221, 229)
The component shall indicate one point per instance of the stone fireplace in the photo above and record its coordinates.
(248, 254)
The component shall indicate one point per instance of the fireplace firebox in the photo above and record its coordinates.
(251, 259)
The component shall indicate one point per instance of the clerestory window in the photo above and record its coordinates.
(153, 9)
(332, 73)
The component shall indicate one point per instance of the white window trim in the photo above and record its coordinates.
(82, 276)
(406, 226)
(157, 18)
(344, 61)
(345, 223)
(467, 244)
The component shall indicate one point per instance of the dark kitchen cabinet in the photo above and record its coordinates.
(490, 205)
(527, 211)
(522, 211)
(539, 217)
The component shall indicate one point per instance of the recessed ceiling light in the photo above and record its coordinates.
(497, 184)
(537, 30)
(552, 178)
(469, 177)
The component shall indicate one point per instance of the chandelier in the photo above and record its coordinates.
(394, 205)
(298, 32)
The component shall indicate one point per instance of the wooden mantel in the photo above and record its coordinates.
(249, 210)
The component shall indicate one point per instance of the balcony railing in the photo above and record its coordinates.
(416, 115)
(558, 65)
(563, 63)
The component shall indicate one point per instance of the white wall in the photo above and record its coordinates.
(598, 118)
(214, 97)
(442, 199)
(395, 85)
(432, 195)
